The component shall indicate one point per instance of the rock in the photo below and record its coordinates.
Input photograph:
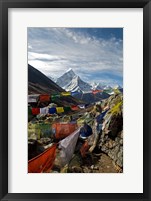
(45, 141)
(86, 169)
(111, 140)
(64, 169)
(96, 168)
(47, 146)
(105, 149)
(54, 171)
(33, 136)
(76, 161)
(41, 116)
(117, 167)
(121, 134)
(121, 142)
(76, 169)
(92, 167)
(119, 162)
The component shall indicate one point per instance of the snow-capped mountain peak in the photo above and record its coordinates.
(66, 78)
(95, 86)
(70, 72)
(117, 87)
(72, 82)
(69, 69)
(107, 87)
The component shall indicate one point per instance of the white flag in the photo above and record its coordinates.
(67, 147)
(44, 110)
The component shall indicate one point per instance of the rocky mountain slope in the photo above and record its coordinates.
(111, 141)
(108, 154)
(91, 98)
(38, 83)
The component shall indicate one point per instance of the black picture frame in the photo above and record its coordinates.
(4, 6)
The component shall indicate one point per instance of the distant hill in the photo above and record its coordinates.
(38, 83)
(91, 98)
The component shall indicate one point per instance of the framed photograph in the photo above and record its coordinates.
(75, 100)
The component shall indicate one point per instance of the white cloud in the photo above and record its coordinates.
(54, 50)
(29, 46)
(33, 56)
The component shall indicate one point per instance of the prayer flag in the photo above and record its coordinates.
(74, 93)
(52, 110)
(74, 107)
(35, 111)
(43, 162)
(53, 99)
(117, 91)
(62, 130)
(33, 98)
(55, 96)
(87, 92)
(84, 149)
(65, 93)
(60, 109)
(67, 108)
(44, 98)
(67, 147)
(81, 106)
(96, 91)
(44, 110)
(29, 111)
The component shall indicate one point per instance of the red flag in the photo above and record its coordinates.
(44, 98)
(74, 107)
(43, 162)
(35, 111)
(62, 130)
(84, 149)
(96, 91)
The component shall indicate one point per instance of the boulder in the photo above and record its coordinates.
(111, 140)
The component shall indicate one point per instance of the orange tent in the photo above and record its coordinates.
(43, 162)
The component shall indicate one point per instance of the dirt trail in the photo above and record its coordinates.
(104, 164)
(92, 163)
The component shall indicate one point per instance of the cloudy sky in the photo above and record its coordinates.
(95, 54)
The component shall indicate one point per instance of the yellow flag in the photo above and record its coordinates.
(65, 93)
(60, 109)
(117, 91)
(116, 108)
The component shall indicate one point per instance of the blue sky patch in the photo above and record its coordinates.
(95, 54)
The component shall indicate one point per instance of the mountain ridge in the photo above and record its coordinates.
(38, 83)
(72, 82)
